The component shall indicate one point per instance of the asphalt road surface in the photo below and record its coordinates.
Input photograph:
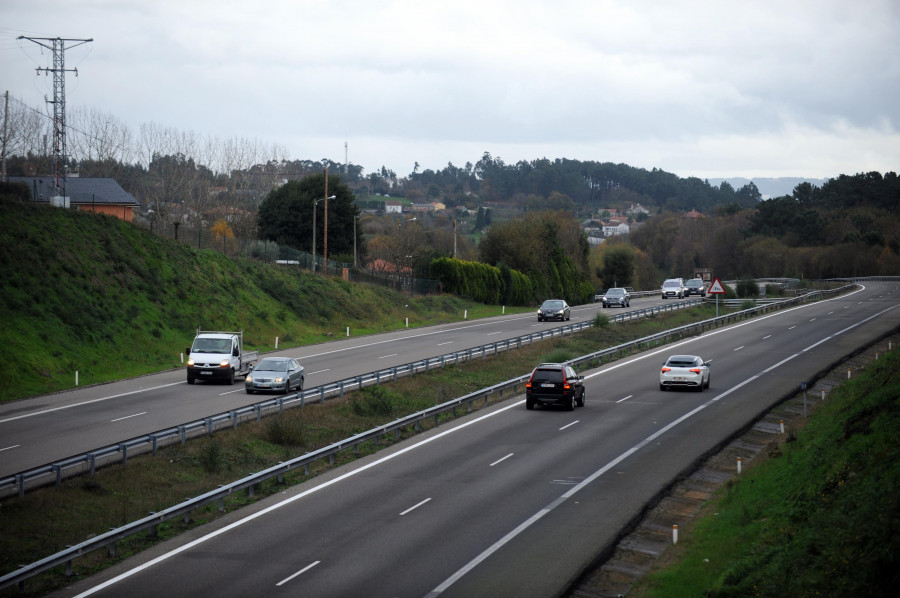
(37, 431)
(505, 501)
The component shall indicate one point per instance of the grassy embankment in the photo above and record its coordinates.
(821, 519)
(104, 298)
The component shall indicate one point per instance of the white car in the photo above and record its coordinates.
(685, 371)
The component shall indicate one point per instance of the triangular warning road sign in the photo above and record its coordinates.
(716, 288)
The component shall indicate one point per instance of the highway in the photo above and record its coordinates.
(39, 430)
(504, 501)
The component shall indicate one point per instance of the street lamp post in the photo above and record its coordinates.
(315, 203)
(405, 260)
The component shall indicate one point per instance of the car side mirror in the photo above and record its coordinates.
(235, 352)
(187, 351)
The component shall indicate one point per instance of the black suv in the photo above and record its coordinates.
(554, 384)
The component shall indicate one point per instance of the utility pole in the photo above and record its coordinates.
(3, 151)
(58, 47)
(325, 247)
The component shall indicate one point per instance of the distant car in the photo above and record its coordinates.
(554, 384)
(674, 288)
(695, 286)
(275, 374)
(684, 371)
(616, 296)
(554, 309)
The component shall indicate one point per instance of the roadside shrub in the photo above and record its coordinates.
(747, 287)
(557, 356)
(212, 458)
(601, 320)
(748, 304)
(284, 431)
(373, 401)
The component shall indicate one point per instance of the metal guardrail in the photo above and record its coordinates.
(108, 540)
(119, 452)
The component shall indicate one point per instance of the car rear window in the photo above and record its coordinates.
(680, 363)
(548, 375)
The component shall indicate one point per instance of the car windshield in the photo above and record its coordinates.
(552, 305)
(671, 283)
(695, 283)
(271, 365)
(212, 345)
(615, 292)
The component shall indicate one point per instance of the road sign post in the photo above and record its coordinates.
(716, 289)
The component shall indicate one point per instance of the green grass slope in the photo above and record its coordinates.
(92, 294)
(822, 519)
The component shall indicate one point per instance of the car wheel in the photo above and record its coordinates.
(570, 406)
(708, 380)
(287, 386)
(301, 384)
(662, 388)
(701, 387)
(190, 379)
(529, 404)
(568, 317)
(231, 377)
(540, 319)
(250, 392)
(581, 399)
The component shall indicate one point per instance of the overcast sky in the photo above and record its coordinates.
(697, 88)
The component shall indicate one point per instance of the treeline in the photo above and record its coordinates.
(848, 227)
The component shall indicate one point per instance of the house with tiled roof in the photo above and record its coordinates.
(101, 196)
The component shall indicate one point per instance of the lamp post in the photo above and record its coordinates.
(325, 256)
(315, 203)
(405, 260)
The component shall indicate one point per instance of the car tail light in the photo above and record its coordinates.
(528, 384)
(665, 369)
(695, 370)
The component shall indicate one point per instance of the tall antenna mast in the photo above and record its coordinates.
(346, 162)
(58, 47)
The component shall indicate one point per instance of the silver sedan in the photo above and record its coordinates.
(275, 374)
(684, 371)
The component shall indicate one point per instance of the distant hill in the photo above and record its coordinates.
(769, 187)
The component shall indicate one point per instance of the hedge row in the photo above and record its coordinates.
(503, 285)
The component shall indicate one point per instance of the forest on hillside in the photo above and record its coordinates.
(849, 226)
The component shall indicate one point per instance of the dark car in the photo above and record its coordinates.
(616, 296)
(695, 286)
(554, 309)
(275, 374)
(554, 384)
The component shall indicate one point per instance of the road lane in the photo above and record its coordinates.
(519, 502)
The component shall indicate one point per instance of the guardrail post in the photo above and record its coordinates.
(322, 394)
(93, 460)
(209, 426)
(182, 431)
(69, 564)
(250, 491)
(234, 419)
(124, 448)
(111, 547)
(20, 482)
(155, 443)
(154, 531)
(58, 471)
(258, 408)
(341, 385)
(393, 374)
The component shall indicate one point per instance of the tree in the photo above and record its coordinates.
(286, 216)
(618, 266)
